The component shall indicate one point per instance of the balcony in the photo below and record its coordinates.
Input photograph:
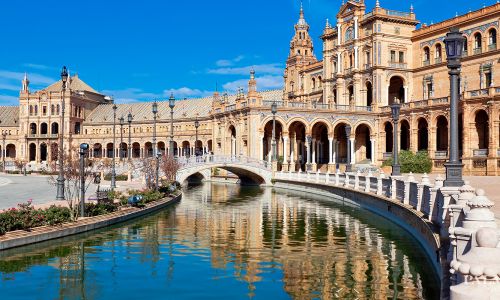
(368, 66)
(478, 93)
(230, 107)
(341, 107)
(363, 108)
(398, 65)
(426, 63)
(441, 154)
(478, 51)
(297, 104)
(492, 47)
(480, 152)
(439, 60)
(270, 102)
(318, 105)
(291, 94)
(387, 155)
(43, 136)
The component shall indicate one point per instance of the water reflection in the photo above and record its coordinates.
(231, 242)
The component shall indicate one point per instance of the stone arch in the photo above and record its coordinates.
(441, 133)
(396, 88)
(404, 133)
(97, 150)
(231, 140)
(186, 148)
(109, 150)
(32, 152)
(10, 151)
(362, 143)
(298, 119)
(44, 128)
(423, 134)
(481, 121)
(324, 121)
(297, 131)
(33, 128)
(320, 132)
(341, 139)
(279, 120)
(267, 140)
(389, 142)
(54, 128)
(248, 175)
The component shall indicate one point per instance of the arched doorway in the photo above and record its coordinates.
(186, 149)
(54, 128)
(482, 131)
(10, 151)
(405, 135)
(148, 149)
(161, 147)
(32, 152)
(97, 150)
(320, 146)
(369, 94)
(388, 137)
(362, 145)
(267, 142)
(297, 133)
(341, 139)
(350, 89)
(231, 141)
(396, 89)
(423, 135)
(43, 152)
(123, 150)
(209, 145)
(109, 150)
(442, 134)
(136, 150)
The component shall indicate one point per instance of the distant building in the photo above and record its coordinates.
(370, 60)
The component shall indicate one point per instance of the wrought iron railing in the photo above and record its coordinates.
(441, 154)
(480, 152)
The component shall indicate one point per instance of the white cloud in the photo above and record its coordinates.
(259, 69)
(9, 86)
(130, 95)
(35, 78)
(37, 66)
(267, 82)
(185, 92)
(229, 62)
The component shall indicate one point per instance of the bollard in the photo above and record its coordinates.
(368, 181)
(337, 177)
(346, 181)
(356, 180)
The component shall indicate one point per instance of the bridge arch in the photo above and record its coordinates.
(248, 170)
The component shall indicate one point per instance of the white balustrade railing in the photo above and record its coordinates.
(192, 161)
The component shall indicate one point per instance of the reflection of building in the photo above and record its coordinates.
(369, 60)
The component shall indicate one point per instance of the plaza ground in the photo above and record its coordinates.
(16, 189)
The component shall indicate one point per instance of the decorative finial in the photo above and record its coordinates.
(377, 4)
(411, 8)
(328, 26)
(252, 74)
(456, 14)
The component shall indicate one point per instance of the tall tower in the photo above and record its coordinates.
(26, 84)
(301, 54)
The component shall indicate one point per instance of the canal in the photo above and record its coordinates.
(229, 242)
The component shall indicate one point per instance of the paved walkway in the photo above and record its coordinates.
(16, 189)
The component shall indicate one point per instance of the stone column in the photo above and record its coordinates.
(293, 150)
(373, 153)
(356, 64)
(353, 159)
(261, 147)
(356, 28)
(330, 150)
(339, 27)
(308, 149)
(285, 149)
(314, 151)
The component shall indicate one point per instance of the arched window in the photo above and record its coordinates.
(439, 53)
(349, 34)
(427, 56)
(319, 82)
(492, 39)
(466, 48)
(36, 110)
(58, 109)
(52, 109)
(477, 43)
(313, 82)
(31, 110)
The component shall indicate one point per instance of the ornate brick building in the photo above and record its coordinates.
(369, 60)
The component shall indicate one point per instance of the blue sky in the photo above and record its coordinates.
(141, 50)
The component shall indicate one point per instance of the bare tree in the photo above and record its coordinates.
(169, 167)
(147, 167)
(72, 180)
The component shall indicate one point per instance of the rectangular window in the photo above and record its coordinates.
(44, 110)
(487, 77)
(401, 57)
(393, 56)
(429, 90)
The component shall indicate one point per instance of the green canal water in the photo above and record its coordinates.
(229, 242)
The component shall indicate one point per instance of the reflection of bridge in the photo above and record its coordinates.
(249, 170)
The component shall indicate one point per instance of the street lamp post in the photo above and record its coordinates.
(454, 42)
(113, 168)
(122, 121)
(155, 146)
(129, 152)
(4, 151)
(60, 177)
(84, 147)
(196, 125)
(395, 109)
(171, 104)
(274, 110)
(348, 167)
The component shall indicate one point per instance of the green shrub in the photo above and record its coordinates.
(93, 209)
(55, 215)
(120, 177)
(411, 162)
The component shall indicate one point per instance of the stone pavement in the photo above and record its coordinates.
(16, 189)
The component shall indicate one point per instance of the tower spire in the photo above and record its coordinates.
(377, 4)
(26, 83)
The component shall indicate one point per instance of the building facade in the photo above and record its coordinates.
(327, 107)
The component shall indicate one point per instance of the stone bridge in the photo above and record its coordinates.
(249, 170)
